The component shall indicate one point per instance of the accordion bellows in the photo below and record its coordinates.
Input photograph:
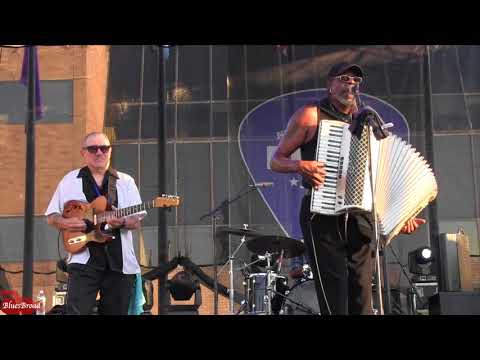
(403, 181)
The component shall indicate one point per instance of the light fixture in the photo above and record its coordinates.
(420, 262)
(182, 287)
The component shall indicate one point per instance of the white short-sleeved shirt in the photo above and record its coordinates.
(71, 188)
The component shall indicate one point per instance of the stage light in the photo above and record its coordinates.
(182, 286)
(426, 254)
(420, 261)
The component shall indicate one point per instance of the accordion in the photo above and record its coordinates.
(403, 182)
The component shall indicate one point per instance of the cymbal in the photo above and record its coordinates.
(241, 232)
(273, 243)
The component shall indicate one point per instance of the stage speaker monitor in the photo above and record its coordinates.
(456, 266)
(455, 303)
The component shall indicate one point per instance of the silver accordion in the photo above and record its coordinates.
(403, 182)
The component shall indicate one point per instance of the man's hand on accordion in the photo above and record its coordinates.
(412, 225)
(312, 171)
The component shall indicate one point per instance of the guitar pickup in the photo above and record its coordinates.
(76, 240)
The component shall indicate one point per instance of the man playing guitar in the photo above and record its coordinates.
(109, 267)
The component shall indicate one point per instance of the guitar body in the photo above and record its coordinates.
(96, 214)
(75, 242)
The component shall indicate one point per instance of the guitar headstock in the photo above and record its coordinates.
(167, 201)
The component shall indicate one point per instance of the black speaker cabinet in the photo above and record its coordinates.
(455, 303)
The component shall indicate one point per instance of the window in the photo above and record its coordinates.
(57, 101)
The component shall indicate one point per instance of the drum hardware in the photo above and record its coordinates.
(307, 272)
(307, 309)
(266, 292)
(231, 257)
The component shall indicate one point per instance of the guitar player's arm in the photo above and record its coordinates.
(70, 224)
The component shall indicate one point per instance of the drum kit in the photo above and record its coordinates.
(266, 289)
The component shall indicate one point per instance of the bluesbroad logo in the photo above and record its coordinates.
(13, 304)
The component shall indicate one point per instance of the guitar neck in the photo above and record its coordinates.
(125, 211)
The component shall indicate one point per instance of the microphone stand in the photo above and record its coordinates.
(375, 222)
(214, 215)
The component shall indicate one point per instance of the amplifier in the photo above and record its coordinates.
(455, 303)
(418, 297)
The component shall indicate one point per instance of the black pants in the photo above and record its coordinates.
(342, 268)
(84, 282)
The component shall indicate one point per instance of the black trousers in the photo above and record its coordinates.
(84, 283)
(342, 268)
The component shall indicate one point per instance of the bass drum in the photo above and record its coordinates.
(302, 300)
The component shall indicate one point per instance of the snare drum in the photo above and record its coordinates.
(302, 300)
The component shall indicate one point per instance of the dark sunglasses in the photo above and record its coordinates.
(347, 78)
(94, 148)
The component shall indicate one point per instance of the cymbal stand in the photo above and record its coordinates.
(271, 277)
(231, 259)
(280, 260)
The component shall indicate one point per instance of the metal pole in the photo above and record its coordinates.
(386, 282)
(231, 273)
(375, 223)
(29, 179)
(429, 151)
(163, 295)
(27, 289)
(215, 276)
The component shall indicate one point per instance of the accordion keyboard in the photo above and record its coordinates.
(328, 151)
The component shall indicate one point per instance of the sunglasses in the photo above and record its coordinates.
(347, 78)
(94, 148)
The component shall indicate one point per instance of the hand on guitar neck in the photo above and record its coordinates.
(128, 222)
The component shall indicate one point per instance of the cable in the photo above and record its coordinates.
(21, 271)
(408, 277)
(316, 264)
(10, 272)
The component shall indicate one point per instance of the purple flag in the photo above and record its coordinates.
(24, 80)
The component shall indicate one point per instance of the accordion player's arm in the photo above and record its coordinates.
(301, 129)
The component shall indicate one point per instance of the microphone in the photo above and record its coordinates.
(261, 184)
(356, 93)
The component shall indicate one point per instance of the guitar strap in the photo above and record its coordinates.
(112, 187)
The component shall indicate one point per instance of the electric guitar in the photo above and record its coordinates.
(96, 215)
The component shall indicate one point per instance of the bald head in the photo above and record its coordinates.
(94, 134)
